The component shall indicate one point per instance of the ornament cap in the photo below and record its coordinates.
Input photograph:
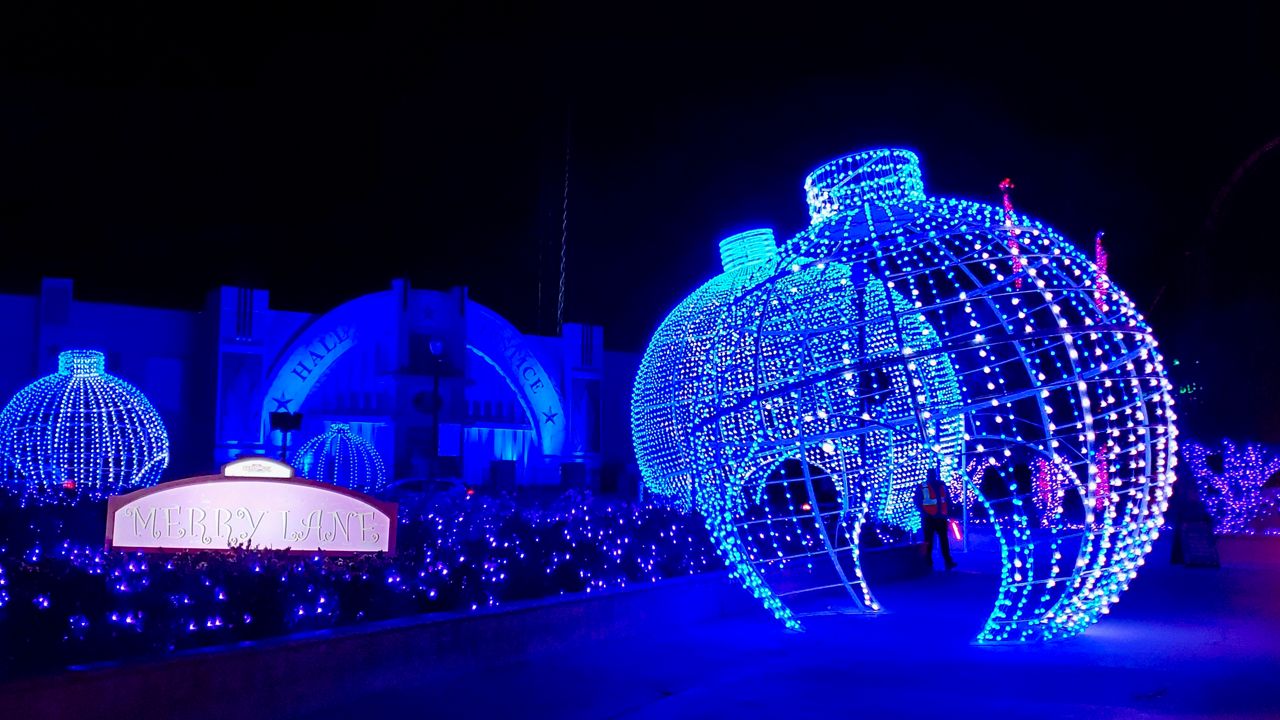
(81, 363)
(884, 175)
(747, 249)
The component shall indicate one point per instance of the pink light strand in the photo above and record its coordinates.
(1103, 284)
(1014, 248)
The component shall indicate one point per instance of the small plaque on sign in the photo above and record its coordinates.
(255, 466)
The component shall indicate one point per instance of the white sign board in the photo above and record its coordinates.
(257, 467)
(215, 512)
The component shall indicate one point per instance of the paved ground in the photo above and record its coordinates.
(1182, 643)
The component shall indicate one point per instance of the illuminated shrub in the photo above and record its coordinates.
(1238, 485)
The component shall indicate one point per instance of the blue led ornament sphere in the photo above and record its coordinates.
(812, 385)
(79, 434)
(776, 434)
(340, 457)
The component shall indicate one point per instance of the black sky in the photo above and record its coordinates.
(154, 150)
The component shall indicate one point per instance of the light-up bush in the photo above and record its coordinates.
(80, 433)
(897, 333)
(1238, 485)
(340, 457)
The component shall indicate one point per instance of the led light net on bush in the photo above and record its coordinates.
(810, 387)
(1237, 485)
(80, 433)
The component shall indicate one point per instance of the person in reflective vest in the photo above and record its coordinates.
(934, 503)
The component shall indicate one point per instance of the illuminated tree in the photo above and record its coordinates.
(1232, 482)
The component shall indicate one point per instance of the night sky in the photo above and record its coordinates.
(152, 153)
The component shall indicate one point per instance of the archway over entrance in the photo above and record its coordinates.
(303, 364)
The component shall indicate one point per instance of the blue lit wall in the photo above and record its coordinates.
(208, 371)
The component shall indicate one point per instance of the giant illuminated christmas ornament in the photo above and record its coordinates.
(80, 433)
(341, 457)
(812, 385)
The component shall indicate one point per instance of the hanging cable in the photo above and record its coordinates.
(564, 228)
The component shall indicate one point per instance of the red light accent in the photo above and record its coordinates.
(69, 484)
(1103, 482)
(1014, 249)
(471, 491)
(806, 507)
(1102, 285)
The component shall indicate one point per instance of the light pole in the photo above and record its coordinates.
(285, 422)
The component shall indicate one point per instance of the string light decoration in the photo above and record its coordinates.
(68, 601)
(814, 384)
(80, 434)
(1232, 482)
(1048, 486)
(1100, 260)
(340, 457)
(1015, 249)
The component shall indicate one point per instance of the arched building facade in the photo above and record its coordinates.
(442, 386)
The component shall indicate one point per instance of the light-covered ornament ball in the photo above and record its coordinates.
(813, 384)
(80, 434)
